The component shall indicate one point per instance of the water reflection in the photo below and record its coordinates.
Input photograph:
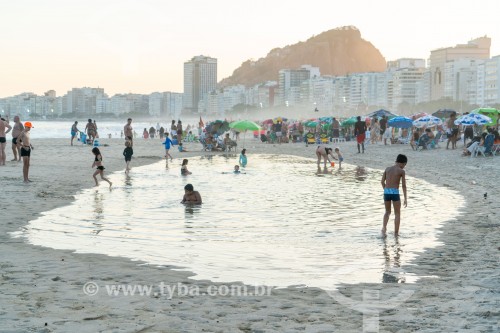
(360, 173)
(98, 210)
(392, 268)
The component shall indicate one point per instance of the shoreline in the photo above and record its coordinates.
(289, 309)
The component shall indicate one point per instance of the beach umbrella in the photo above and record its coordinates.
(311, 124)
(244, 126)
(444, 113)
(490, 112)
(473, 119)
(427, 121)
(282, 119)
(400, 122)
(268, 122)
(327, 120)
(380, 113)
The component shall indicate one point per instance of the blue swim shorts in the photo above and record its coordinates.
(391, 194)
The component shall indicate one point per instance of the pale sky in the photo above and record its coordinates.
(141, 46)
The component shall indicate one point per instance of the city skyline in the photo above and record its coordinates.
(140, 47)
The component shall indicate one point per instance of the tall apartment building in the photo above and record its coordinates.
(478, 48)
(200, 78)
(407, 73)
(460, 82)
(290, 80)
(492, 81)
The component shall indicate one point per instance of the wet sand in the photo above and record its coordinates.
(42, 291)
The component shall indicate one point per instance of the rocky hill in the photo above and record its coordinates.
(336, 52)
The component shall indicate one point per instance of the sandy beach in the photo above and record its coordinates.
(42, 289)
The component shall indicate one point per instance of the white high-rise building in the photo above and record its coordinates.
(290, 81)
(200, 78)
(460, 80)
(492, 81)
(407, 73)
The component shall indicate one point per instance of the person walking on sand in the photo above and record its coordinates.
(100, 168)
(91, 131)
(168, 144)
(390, 182)
(179, 131)
(17, 129)
(23, 140)
(452, 131)
(3, 139)
(128, 152)
(74, 131)
(191, 196)
(359, 132)
(129, 132)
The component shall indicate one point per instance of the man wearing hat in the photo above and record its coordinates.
(24, 141)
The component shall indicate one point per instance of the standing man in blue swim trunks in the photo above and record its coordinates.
(390, 182)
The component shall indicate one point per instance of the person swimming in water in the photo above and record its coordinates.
(191, 196)
(390, 182)
(184, 169)
(243, 158)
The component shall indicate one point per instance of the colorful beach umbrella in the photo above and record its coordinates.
(427, 121)
(473, 119)
(311, 124)
(244, 126)
(400, 122)
(490, 112)
(327, 120)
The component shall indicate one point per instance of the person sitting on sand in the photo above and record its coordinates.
(390, 183)
(181, 148)
(184, 169)
(323, 151)
(191, 196)
(100, 168)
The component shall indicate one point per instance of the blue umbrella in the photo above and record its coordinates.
(427, 121)
(400, 122)
(473, 119)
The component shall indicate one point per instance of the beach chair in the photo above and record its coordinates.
(310, 139)
(323, 138)
(205, 146)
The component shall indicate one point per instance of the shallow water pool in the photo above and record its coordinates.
(279, 223)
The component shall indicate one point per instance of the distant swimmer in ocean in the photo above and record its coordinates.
(243, 158)
(100, 168)
(390, 182)
(324, 152)
(184, 168)
(191, 196)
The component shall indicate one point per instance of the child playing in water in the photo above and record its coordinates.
(339, 156)
(100, 169)
(128, 152)
(191, 196)
(390, 182)
(243, 158)
(236, 169)
(184, 170)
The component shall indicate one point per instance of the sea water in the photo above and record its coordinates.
(278, 223)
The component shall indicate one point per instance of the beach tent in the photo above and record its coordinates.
(444, 113)
(490, 112)
(400, 122)
(380, 113)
